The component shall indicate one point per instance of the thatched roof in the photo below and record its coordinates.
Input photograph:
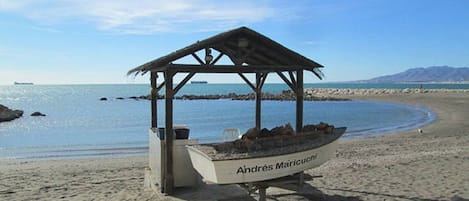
(245, 47)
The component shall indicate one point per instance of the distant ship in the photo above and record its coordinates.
(23, 83)
(199, 82)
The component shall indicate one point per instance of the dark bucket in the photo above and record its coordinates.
(181, 133)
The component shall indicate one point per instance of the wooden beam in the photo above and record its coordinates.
(285, 79)
(292, 78)
(188, 68)
(299, 101)
(198, 58)
(154, 98)
(247, 81)
(246, 54)
(217, 58)
(272, 56)
(168, 138)
(183, 82)
(260, 80)
(230, 53)
(161, 86)
(258, 99)
(260, 59)
(264, 77)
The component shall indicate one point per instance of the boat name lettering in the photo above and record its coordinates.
(290, 163)
(279, 165)
(244, 169)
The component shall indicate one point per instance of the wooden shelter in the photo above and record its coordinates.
(249, 53)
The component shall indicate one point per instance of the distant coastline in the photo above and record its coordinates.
(408, 82)
(434, 74)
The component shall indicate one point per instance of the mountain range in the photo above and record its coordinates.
(429, 74)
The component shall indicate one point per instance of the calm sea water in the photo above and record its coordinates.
(79, 125)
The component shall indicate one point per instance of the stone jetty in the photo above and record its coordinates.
(286, 95)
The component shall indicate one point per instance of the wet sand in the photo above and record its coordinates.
(432, 165)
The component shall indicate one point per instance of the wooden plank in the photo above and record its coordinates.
(161, 86)
(154, 98)
(293, 182)
(247, 81)
(285, 79)
(197, 58)
(264, 77)
(183, 82)
(292, 78)
(168, 138)
(216, 58)
(187, 68)
(258, 91)
(299, 101)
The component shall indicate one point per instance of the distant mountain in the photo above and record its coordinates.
(429, 74)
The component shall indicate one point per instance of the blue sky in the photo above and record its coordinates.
(88, 41)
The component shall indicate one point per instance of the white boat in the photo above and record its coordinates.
(252, 169)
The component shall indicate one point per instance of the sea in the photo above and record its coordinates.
(78, 125)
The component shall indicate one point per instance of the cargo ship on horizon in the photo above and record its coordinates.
(23, 83)
(199, 82)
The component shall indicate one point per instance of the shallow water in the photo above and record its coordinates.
(79, 125)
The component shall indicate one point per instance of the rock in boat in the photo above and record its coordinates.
(219, 164)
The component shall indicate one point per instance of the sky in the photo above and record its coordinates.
(97, 42)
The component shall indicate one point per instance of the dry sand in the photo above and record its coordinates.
(433, 165)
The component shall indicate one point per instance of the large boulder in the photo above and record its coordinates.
(7, 114)
(37, 114)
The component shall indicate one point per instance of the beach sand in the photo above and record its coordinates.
(432, 165)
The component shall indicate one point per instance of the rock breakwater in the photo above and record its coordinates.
(286, 95)
(310, 94)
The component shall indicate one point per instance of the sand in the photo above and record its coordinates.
(433, 165)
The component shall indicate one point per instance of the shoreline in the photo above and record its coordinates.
(403, 166)
(118, 150)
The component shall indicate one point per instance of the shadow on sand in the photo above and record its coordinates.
(234, 192)
(382, 194)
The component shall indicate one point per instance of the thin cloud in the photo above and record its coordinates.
(145, 17)
(314, 43)
(45, 29)
(13, 5)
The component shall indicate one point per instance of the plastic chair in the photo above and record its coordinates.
(233, 133)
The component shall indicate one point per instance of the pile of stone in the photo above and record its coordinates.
(307, 96)
(286, 95)
(255, 140)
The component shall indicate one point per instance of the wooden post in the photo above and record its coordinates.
(154, 98)
(168, 138)
(258, 100)
(262, 193)
(299, 100)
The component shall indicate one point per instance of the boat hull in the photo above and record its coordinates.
(260, 168)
